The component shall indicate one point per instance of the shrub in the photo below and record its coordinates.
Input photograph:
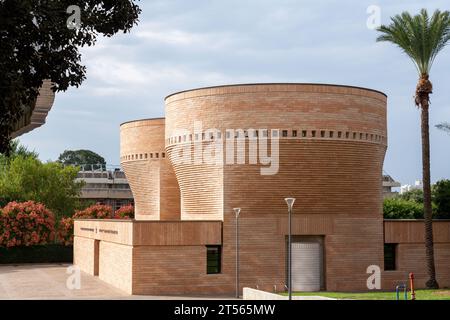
(26, 224)
(396, 208)
(125, 212)
(51, 253)
(65, 231)
(97, 211)
(441, 196)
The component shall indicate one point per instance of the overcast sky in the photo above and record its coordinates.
(183, 44)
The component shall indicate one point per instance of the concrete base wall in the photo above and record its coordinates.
(86, 255)
(115, 265)
(154, 258)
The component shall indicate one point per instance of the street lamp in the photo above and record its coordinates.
(290, 204)
(237, 211)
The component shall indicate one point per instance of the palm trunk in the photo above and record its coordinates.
(428, 214)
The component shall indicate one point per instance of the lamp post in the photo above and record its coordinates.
(290, 204)
(237, 211)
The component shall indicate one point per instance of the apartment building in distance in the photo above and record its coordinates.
(105, 185)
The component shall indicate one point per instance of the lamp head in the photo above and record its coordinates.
(290, 202)
(237, 211)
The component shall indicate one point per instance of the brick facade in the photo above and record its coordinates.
(332, 142)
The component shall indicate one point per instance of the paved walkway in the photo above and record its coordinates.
(42, 281)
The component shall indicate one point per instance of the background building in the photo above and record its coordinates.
(388, 184)
(105, 185)
(418, 185)
(34, 115)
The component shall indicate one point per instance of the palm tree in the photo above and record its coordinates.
(422, 37)
(445, 126)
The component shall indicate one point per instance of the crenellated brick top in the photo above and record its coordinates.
(277, 87)
(142, 140)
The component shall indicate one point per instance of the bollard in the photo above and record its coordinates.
(402, 287)
(411, 284)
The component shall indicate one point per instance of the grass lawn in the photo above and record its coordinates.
(441, 294)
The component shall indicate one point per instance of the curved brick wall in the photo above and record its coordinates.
(332, 147)
(149, 173)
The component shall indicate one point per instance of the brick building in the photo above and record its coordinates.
(251, 146)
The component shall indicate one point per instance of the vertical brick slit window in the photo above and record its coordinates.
(313, 133)
(294, 133)
(390, 251)
(285, 133)
(322, 134)
(305, 133)
(213, 259)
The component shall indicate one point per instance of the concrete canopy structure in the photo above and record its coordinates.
(251, 146)
(34, 116)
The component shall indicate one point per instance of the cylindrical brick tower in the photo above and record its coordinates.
(332, 142)
(149, 173)
(324, 145)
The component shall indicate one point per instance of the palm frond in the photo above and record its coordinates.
(421, 37)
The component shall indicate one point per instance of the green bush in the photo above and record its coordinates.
(397, 208)
(37, 254)
(26, 178)
(441, 197)
(415, 195)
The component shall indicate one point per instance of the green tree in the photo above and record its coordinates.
(39, 41)
(17, 149)
(27, 178)
(82, 157)
(415, 195)
(422, 37)
(441, 197)
(398, 208)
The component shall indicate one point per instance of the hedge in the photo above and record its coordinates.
(52, 253)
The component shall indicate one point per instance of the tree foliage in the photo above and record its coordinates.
(421, 37)
(397, 208)
(81, 157)
(17, 149)
(52, 184)
(441, 197)
(36, 44)
(415, 195)
(409, 205)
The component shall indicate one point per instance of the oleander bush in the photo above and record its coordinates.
(126, 212)
(96, 211)
(26, 224)
(65, 231)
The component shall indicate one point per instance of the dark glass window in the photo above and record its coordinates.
(285, 133)
(213, 259)
(390, 250)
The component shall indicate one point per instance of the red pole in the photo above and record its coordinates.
(411, 284)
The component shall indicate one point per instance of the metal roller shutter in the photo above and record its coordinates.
(306, 266)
